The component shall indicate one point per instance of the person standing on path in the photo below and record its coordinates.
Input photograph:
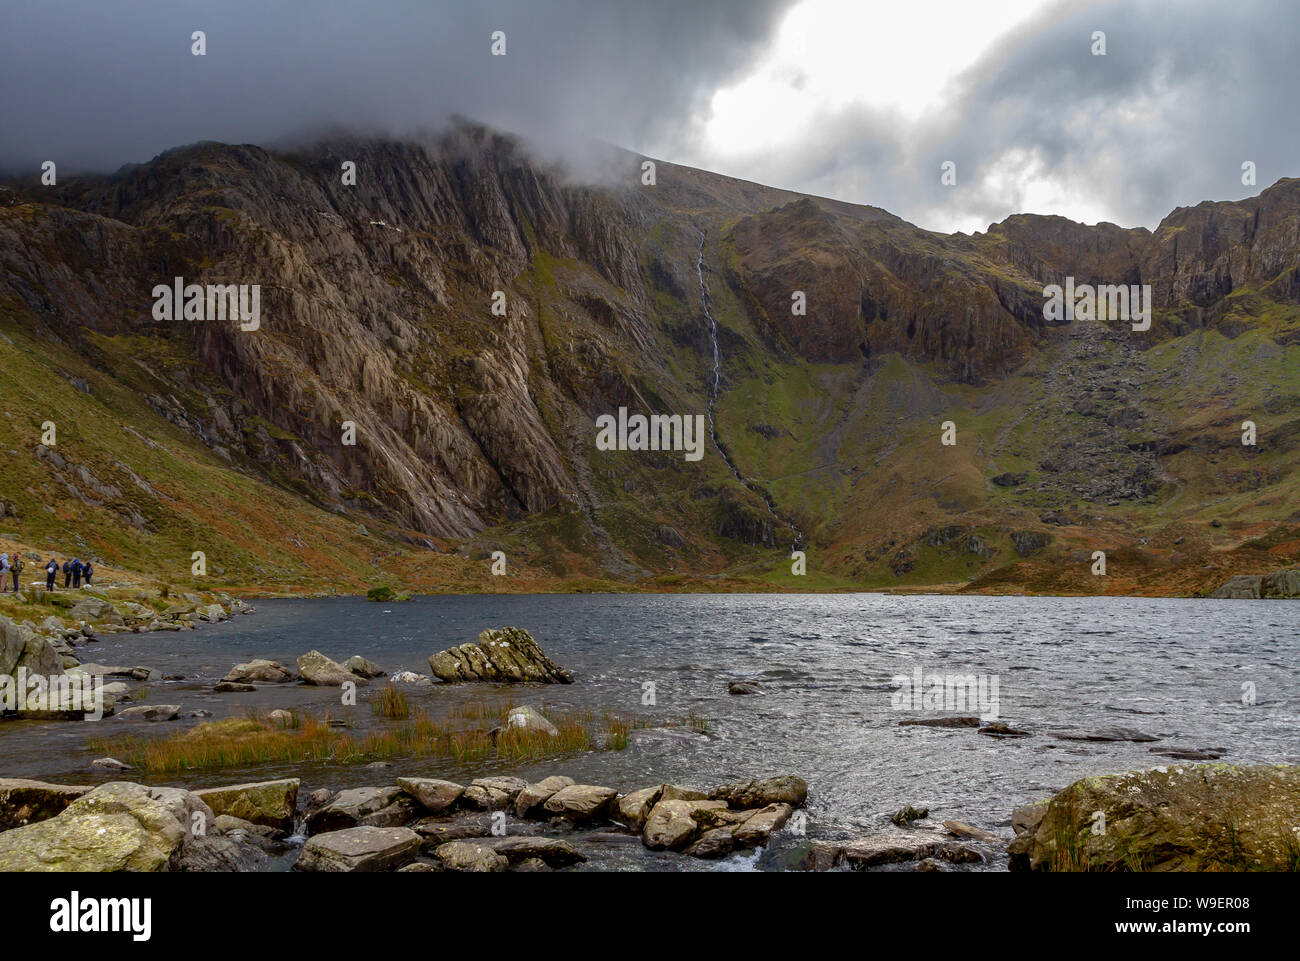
(4, 570)
(67, 573)
(51, 572)
(16, 566)
(86, 570)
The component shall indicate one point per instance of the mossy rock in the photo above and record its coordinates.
(1209, 817)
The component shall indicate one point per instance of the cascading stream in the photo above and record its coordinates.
(712, 403)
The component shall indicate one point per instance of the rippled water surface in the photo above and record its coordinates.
(1174, 669)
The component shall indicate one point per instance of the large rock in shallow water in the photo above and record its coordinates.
(118, 826)
(318, 669)
(1210, 817)
(786, 789)
(270, 803)
(258, 669)
(508, 654)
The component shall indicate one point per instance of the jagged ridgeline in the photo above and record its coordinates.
(382, 407)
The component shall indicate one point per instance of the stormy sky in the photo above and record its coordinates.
(855, 99)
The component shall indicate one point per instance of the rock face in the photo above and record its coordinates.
(26, 802)
(260, 671)
(1280, 584)
(269, 803)
(508, 654)
(118, 826)
(1211, 817)
(1241, 587)
(359, 849)
(318, 669)
(20, 646)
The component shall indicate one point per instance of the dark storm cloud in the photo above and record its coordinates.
(93, 85)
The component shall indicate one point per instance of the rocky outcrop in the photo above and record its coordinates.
(508, 654)
(1212, 817)
(1278, 584)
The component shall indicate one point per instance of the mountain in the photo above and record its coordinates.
(476, 431)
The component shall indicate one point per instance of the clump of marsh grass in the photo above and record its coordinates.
(391, 703)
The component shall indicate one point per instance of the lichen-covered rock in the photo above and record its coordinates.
(119, 826)
(475, 857)
(318, 669)
(758, 828)
(508, 654)
(1208, 817)
(364, 848)
(1280, 584)
(269, 803)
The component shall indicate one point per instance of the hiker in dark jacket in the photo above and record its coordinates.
(67, 574)
(86, 570)
(16, 566)
(51, 572)
(4, 571)
(76, 572)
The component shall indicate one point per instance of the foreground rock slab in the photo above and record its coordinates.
(1204, 817)
(118, 826)
(363, 848)
(508, 654)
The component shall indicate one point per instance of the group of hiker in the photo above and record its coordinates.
(75, 572)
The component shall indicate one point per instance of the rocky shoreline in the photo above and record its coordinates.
(1196, 818)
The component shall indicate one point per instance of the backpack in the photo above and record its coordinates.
(67, 567)
(17, 566)
(52, 567)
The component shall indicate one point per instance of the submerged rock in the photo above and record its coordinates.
(151, 712)
(508, 654)
(941, 722)
(1210, 817)
(906, 815)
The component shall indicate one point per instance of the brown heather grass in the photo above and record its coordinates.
(252, 741)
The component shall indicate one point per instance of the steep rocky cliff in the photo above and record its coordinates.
(473, 428)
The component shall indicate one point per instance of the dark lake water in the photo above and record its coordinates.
(1174, 669)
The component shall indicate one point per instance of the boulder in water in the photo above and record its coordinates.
(508, 654)
(258, 669)
(363, 848)
(318, 669)
(269, 803)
